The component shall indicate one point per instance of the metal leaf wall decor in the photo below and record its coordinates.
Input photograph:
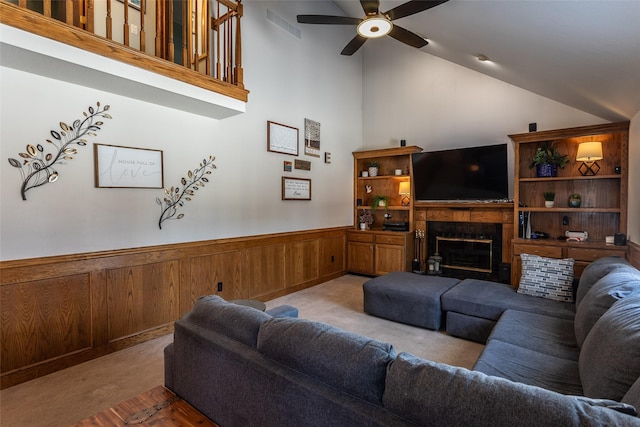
(37, 166)
(175, 197)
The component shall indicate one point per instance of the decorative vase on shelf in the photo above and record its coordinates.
(373, 171)
(575, 201)
(549, 203)
(545, 170)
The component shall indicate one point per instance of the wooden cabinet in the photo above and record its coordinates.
(378, 252)
(603, 210)
(373, 250)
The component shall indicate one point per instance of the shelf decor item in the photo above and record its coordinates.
(373, 168)
(547, 160)
(366, 219)
(575, 201)
(549, 197)
(379, 202)
(404, 190)
(588, 154)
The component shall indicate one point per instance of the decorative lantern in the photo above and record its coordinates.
(434, 264)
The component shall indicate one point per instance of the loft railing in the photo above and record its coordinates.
(203, 36)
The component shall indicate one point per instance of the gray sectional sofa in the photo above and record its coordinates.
(243, 367)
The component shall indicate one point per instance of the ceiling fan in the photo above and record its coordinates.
(376, 24)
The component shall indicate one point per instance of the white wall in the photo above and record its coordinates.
(289, 79)
(436, 104)
(633, 219)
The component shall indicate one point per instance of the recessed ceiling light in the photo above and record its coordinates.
(482, 57)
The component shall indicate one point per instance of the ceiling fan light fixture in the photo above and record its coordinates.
(374, 27)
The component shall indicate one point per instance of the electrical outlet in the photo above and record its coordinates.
(565, 220)
(134, 29)
(332, 258)
(219, 286)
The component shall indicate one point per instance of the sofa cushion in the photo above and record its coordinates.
(595, 271)
(451, 396)
(547, 277)
(235, 321)
(614, 286)
(544, 334)
(489, 300)
(610, 356)
(531, 367)
(347, 361)
(632, 397)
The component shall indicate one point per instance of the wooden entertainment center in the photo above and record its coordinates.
(603, 210)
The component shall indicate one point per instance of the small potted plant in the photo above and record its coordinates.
(549, 197)
(365, 219)
(373, 168)
(547, 160)
(379, 202)
(575, 200)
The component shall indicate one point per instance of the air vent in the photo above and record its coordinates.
(284, 24)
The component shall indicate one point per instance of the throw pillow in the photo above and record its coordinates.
(549, 278)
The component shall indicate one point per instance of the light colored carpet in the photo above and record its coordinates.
(67, 396)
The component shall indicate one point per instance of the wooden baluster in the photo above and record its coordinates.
(109, 21)
(216, 28)
(46, 8)
(205, 38)
(143, 37)
(186, 32)
(170, 28)
(160, 19)
(239, 72)
(69, 12)
(125, 26)
(22, 4)
(89, 16)
(196, 37)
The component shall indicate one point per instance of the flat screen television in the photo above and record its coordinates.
(475, 173)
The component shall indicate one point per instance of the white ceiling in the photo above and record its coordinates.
(581, 53)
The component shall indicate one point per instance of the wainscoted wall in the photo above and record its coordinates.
(634, 254)
(63, 310)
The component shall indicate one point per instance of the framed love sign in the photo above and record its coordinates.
(127, 167)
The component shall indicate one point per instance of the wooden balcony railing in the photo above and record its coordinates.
(196, 41)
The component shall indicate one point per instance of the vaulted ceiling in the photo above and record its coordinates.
(585, 54)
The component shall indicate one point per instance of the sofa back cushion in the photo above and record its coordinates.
(434, 394)
(610, 357)
(632, 397)
(349, 362)
(595, 271)
(616, 285)
(235, 321)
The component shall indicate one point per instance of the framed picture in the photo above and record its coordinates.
(282, 138)
(296, 189)
(311, 138)
(127, 167)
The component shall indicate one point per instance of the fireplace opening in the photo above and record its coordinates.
(466, 254)
(468, 249)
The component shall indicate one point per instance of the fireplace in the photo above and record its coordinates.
(468, 249)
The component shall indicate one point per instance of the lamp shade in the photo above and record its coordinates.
(374, 27)
(405, 187)
(589, 151)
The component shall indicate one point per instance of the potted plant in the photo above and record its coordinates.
(379, 202)
(365, 219)
(574, 200)
(373, 168)
(549, 197)
(547, 160)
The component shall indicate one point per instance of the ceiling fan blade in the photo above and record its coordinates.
(355, 44)
(407, 37)
(327, 19)
(370, 7)
(411, 7)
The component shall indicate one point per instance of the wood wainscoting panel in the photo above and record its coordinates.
(44, 319)
(63, 310)
(141, 297)
(209, 271)
(302, 261)
(265, 269)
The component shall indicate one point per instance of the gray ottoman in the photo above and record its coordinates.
(407, 298)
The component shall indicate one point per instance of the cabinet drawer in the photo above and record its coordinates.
(546, 251)
(360, 237)
(390, 240)
(585, 254)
